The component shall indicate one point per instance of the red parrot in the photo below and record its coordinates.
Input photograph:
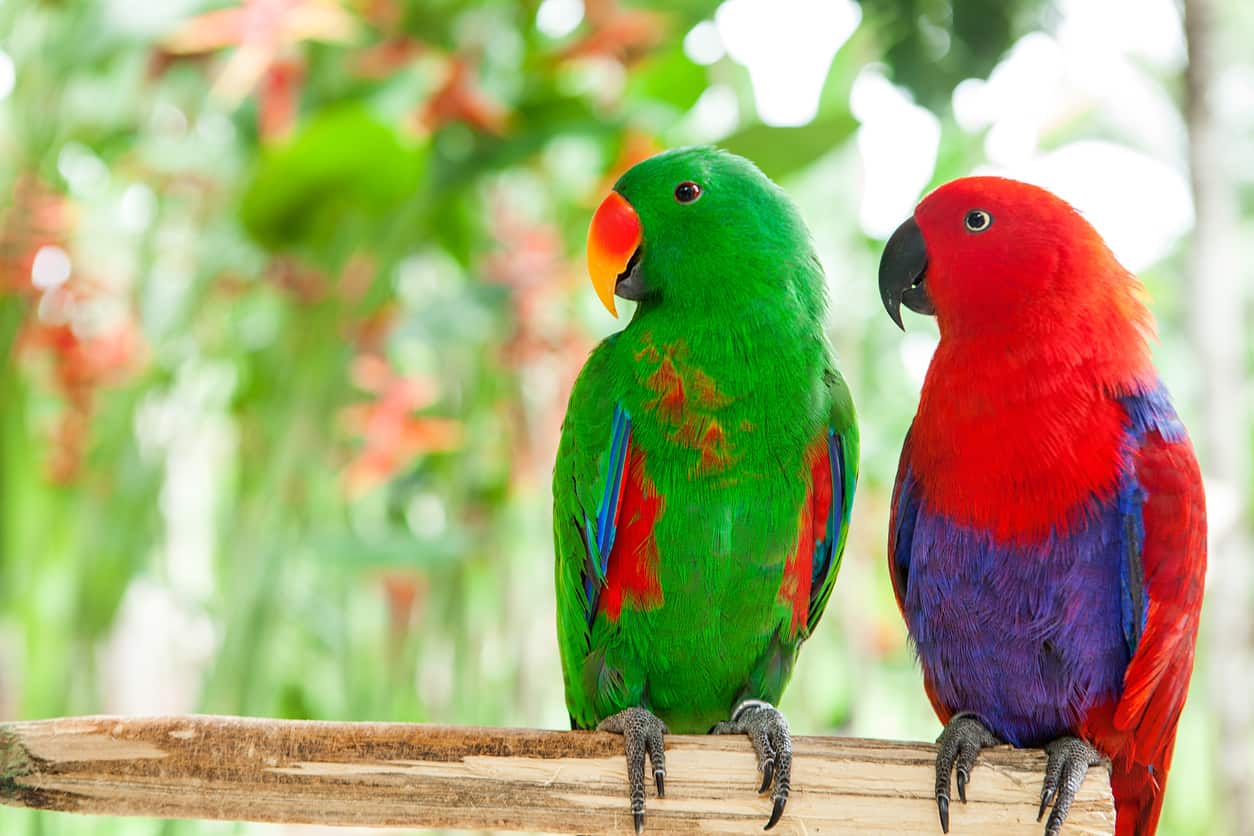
(1048, 536)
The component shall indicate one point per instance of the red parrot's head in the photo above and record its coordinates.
(987, 254)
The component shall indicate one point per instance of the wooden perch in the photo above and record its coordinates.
(376, 774)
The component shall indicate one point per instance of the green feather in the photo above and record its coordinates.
(734, 315)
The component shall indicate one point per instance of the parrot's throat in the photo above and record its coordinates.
(1014, 438)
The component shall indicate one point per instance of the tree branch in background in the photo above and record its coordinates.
(1219, 329)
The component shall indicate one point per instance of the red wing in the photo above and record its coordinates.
(620, 558)
(1174, 560)
(632, 568)
(823, 525)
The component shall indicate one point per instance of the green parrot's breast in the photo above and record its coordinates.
(724, 446)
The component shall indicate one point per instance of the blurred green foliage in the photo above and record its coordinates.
(279, 441)
(932, 45)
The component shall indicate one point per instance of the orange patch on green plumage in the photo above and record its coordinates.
(705, 392)
(648, 354)
(686, 401)
(716, 453)
(667, 382)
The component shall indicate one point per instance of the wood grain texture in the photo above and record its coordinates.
(376, 774)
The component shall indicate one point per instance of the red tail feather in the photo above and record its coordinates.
(1138, 793)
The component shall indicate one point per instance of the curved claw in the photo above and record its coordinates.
(768, 731)
(642, 736)
(1047, 795)
(957, 748)
(776, 812)
(1069, 761)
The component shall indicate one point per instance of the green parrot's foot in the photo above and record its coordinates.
(642, 733)
(958, 746)
(768, 730)
(1069, 761)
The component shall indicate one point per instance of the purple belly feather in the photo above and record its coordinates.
(1027, 637)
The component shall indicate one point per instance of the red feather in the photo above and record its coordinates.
(811, 530)
(632, 573)
(1138, 733)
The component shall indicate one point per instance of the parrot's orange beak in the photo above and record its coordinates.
(613, 239)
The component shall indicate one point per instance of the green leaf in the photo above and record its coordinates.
(931, 45)
(344, 167)
(669, 77)
(780, 152)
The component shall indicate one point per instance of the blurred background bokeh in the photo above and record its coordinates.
(291, 296)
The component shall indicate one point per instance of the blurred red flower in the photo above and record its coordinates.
(405, 592)
(459, 99)
(391, 434)
(623, 35)
(386, 57)
(75, 365)
(265, 35)
(58, 342)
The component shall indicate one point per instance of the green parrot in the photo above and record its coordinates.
(706, 470)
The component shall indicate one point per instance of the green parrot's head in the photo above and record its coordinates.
(702, 229)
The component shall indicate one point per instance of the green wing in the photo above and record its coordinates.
(773, 669)
(579, 480)
(843, 449)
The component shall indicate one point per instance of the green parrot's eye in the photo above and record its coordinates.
(687, 192)
(978, 220)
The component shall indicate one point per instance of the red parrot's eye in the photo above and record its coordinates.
(687, 192)
(978, 220)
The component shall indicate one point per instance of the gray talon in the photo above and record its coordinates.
(768, 731)
(1047, 795)
(768, 773)
(642, 734)
(957, 748)
(1069, 761)
(776, 812)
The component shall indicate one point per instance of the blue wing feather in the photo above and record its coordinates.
(1147, 412)
(600, 543)
(901, 527)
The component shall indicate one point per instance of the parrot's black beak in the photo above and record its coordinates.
(903, 273)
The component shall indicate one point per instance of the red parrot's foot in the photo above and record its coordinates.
(958, 746)
(1069, 761)
(768, 730)
(642, 732)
